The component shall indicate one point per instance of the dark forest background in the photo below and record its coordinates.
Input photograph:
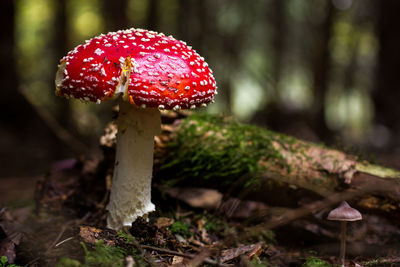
(322, 70)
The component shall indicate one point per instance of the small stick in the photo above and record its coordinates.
(306, 210)
(65, 240)
(189, 256)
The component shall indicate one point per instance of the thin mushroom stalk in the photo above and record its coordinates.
(344, 213)
(131, 186)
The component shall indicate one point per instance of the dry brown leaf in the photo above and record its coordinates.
(177, 261)
(256, 251)
(200, 223)
(195, 242)
(164, 222)
(89, 234)
(232, 253)
(197, 197)
(205, 236)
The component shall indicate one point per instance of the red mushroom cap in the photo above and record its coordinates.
(162, 71)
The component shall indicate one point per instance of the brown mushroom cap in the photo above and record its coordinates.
(344, 213)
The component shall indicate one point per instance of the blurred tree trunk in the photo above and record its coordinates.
(15, 110)
(274, 115)
(27, 143)
(115, 14)
(204, 28)
(184, 13)
(61, 46)
(320, 67)
(279, 40)
(153, 20)
(189, 21)
(387, 92)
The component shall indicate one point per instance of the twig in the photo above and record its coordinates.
(32, 261)
(63, 229)
(65, 240)
(139, 248)
(189, 256)
(306, 210)
(380, 262)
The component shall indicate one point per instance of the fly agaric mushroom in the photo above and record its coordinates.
(150, 72)
(344, 213)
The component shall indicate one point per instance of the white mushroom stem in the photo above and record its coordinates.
(130, 196)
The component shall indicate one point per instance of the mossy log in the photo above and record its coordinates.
(252, 162)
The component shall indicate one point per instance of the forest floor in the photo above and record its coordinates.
(58, 219)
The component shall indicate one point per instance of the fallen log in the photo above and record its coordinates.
(251, 162)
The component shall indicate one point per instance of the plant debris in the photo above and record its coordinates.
(195, 224)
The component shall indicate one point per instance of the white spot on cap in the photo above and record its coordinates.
(98, 51)
(103, 72)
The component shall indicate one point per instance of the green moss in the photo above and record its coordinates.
(377, 170)
(180, 228)
(214, 223)
(315, 262)
(102, 255)
(219, 149)
(67, 262)
(125, 236)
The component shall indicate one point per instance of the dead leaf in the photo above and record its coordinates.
(195, 242)
(200, 223)
(256, 251)
(243, 209)
(198, 259)
(205, 236)
(197, 197)
(177, 260)
(164, 222)
(250, 251)
(89, 234)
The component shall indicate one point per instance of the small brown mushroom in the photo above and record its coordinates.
(344, 213)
